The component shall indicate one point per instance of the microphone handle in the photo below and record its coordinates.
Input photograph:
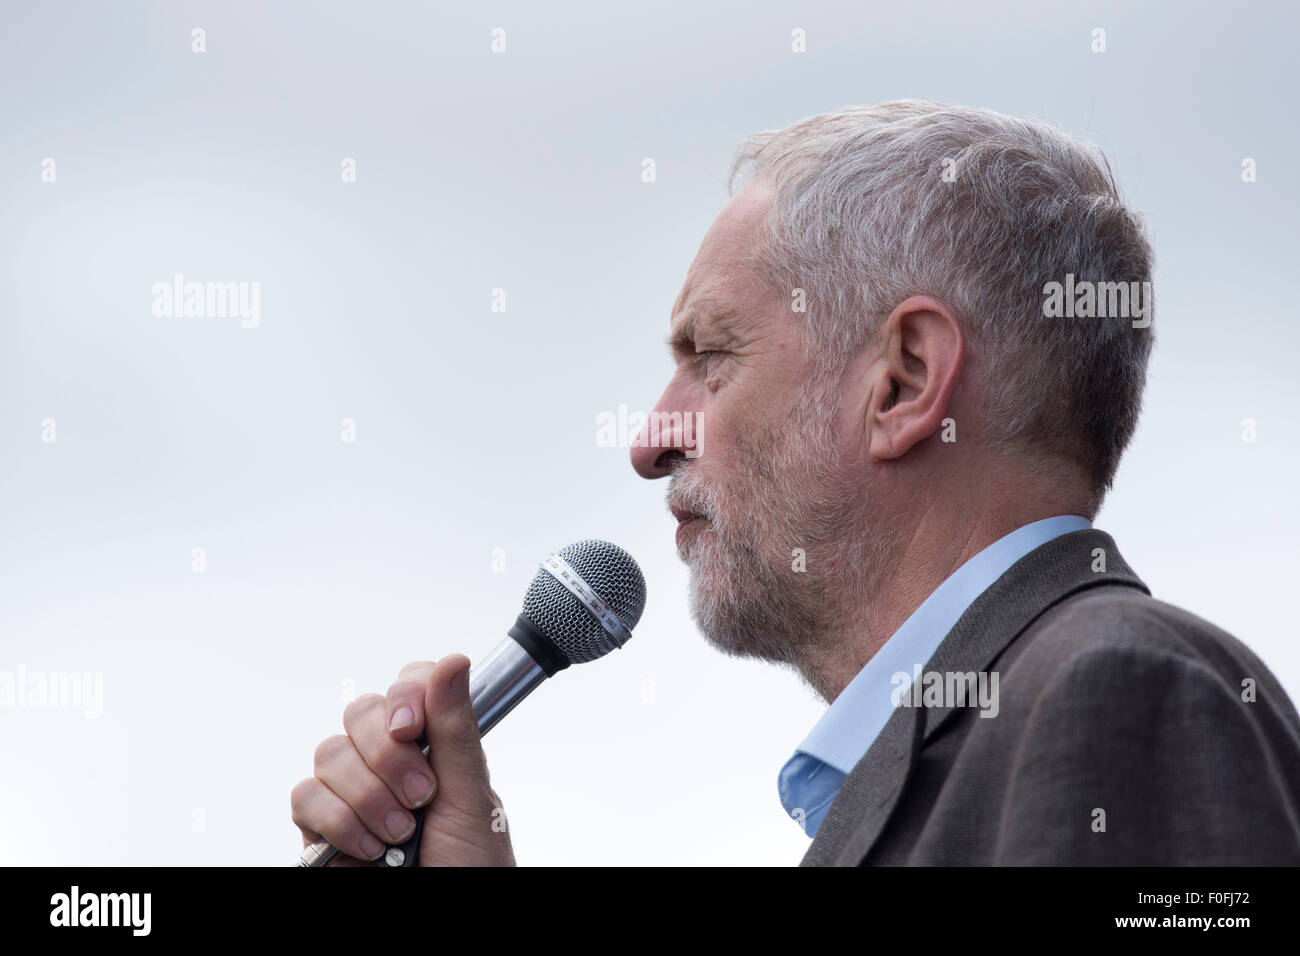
(496, 684)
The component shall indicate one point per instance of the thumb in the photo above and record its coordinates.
(451, 730)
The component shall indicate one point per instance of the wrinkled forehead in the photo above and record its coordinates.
(723, 281)
(718, 313)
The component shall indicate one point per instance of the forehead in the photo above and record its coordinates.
(722, 279)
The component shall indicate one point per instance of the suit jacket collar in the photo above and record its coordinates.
(1044, 577)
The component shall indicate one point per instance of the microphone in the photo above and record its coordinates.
(583, 602)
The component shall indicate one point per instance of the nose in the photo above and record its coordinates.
(654, 462)
(663, 439)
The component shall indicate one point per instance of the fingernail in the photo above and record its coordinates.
(418, 788)
(371, 847)
(399, 825)
(403, 717)
(459, 682)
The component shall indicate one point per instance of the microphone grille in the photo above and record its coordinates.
(556, 612)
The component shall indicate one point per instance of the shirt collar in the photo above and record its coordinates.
(853, 721)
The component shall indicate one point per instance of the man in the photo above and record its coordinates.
(907, 440)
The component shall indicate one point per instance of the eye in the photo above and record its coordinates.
(707, 368)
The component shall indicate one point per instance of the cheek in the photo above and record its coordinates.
(728, 418)
(719, 459)
(728, 470)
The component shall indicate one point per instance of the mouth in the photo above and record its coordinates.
(683, 515)
(686, 521)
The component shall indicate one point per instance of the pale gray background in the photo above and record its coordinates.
(330, 562)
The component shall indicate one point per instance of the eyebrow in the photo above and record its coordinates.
(682, 335)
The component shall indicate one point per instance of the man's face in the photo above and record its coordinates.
(775, 478)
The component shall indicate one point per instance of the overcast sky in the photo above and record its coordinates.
(326, 564)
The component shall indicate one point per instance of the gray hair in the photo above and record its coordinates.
(864, 216)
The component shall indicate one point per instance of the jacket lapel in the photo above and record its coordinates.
(1044, 577)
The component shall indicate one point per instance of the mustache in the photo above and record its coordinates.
(687, 494)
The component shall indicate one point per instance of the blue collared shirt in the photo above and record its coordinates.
(811, 778)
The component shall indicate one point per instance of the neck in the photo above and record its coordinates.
(912, 562)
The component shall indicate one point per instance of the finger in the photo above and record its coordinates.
(405, 713)
(340, 768)
(298, 800)
(402, 768)
(320, 812)
(455, 751)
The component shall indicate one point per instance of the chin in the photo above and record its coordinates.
(689, 549)
(705, 601)
(739, 615)
(718, 609)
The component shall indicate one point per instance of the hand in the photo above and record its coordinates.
(368, 780)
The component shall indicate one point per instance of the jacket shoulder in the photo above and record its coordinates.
(1121, 622)
(1120, 646)
(1171, 725)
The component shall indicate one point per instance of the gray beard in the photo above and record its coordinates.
(745, 596)
(744, 609)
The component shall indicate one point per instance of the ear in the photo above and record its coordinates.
(912, 380)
